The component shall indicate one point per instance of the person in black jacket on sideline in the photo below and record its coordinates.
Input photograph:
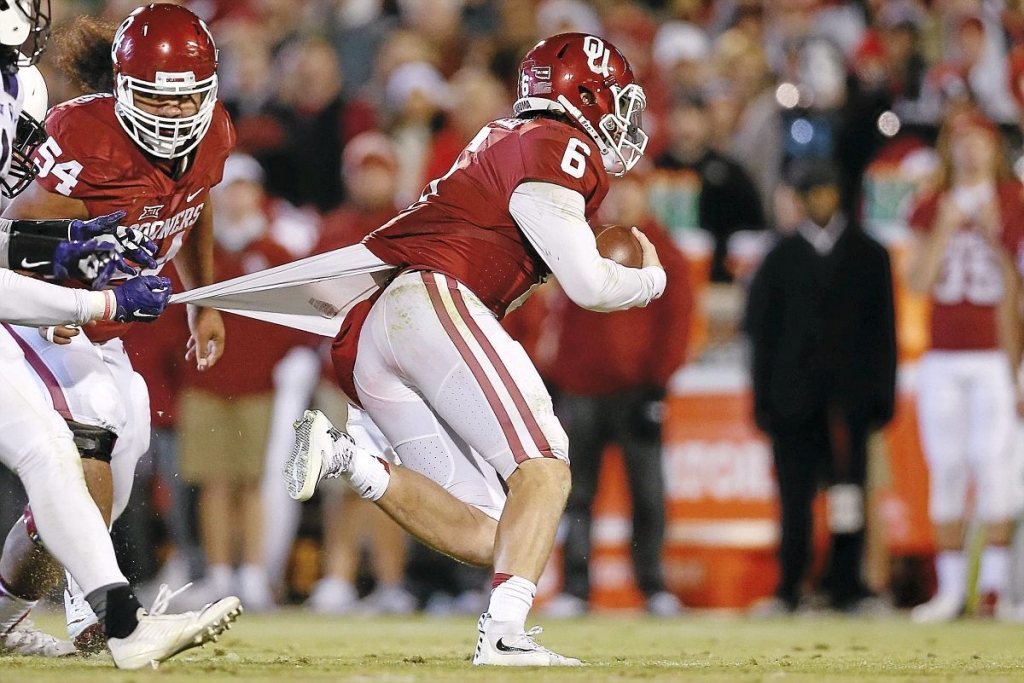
(821, 325)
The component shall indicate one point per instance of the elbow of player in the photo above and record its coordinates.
(588, 295)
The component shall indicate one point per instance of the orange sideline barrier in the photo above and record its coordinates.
(722, 511)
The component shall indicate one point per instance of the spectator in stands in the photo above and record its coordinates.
(757, 138)
(475, 99)
(300, 137)
(224, 412)
(369, 165)
(608, 373)
(821, 326)
(969, 233)
(697, 187)
(416, 93)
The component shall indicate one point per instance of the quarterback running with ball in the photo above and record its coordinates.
(426, 357)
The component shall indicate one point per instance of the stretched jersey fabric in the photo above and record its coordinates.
(89, 157)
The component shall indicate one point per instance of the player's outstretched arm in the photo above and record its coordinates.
(552, 218)
(27, 301)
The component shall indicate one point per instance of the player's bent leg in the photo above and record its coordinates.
(431, 333)
(37, 445)
(418, 504)
(110, 473)
(526, 532)
(537, 492)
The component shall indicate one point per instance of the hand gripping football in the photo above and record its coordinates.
(617, 243)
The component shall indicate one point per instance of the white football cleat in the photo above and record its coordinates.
(503, 643)
(160, 636)
(84, 628)
(941, 609)
(26, 639)
(321, 450)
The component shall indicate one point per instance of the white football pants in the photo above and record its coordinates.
(37, 445)
(95, 384)
(453, 393)
(967, 417)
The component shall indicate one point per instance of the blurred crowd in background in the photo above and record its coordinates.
(345, 109)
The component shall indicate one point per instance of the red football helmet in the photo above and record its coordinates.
(164, 50)
(589, 80)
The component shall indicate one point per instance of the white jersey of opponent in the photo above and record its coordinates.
(24, 301)
(35, 442)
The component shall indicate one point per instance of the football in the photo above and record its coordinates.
(617, 243)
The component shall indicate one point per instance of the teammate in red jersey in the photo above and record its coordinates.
(150, 143)
(428, 360)
(969, 232)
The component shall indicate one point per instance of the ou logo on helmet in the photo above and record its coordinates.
(598, 55)
(119, 36)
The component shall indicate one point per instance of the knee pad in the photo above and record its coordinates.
(93, 443)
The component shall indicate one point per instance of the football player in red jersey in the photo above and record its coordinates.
(150, 143)
(969, 233)
(428, 360)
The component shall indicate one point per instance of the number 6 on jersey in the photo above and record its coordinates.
(573, 162)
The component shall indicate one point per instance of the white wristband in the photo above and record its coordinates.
(102, 305)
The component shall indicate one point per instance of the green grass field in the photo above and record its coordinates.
(297, 647)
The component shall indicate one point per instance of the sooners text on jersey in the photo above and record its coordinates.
(89, 157)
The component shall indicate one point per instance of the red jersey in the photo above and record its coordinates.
(88, 156)
(970, 283)
(462, 226)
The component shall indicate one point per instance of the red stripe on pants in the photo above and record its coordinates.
(532, 425)
(507, 428)
(60, 402)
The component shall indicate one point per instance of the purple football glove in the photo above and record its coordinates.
(93, 262)
(142, 299)
(131, 242)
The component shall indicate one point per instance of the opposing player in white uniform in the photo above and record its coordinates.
(428, 360)
(35, 442)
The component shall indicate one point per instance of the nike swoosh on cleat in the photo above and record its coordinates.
(500, 646)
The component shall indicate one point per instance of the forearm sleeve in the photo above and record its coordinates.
(553, 220)
(24, 301)
(29, 245)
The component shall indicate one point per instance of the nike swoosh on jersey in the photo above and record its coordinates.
(194, 194)
(25, 263)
